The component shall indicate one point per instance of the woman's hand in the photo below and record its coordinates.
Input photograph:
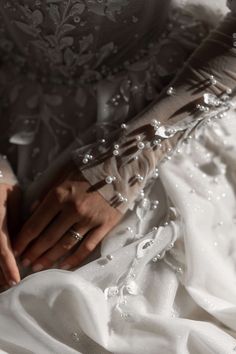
(9, 221)
(45, 237)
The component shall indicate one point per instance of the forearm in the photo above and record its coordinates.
(132, 159)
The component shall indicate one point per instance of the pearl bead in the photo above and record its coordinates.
(179, 270)
(141, 145)
(116, 146)
(123, 126)
(110, 257)
(116, 153)
(156, 142)
(109, 179)
(85, 161)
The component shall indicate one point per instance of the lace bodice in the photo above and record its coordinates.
(85, 39)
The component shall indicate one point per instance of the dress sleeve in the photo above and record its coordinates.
(122, 167)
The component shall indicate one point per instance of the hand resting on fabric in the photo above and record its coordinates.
(70, 204)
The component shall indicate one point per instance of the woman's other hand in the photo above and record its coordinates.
(9, 221)
(70, 204)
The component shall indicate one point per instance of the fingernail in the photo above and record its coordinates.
(66, 266)
(26, 262)
(37, 267)
(12, 283)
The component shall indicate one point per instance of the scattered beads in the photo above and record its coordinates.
(129, 229)
(170, 91)
(212, 80)
(110, 179)
(121, 198)
(110, 257)
(139, 178)
(156, 173)
(155, 204)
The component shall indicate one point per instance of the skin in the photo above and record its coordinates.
(9, 210)
(44, 238)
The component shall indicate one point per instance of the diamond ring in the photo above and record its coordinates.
(76, 235)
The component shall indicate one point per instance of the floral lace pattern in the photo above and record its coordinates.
(64, 37)
(64, 77)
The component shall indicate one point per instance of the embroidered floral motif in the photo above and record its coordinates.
(60, 60)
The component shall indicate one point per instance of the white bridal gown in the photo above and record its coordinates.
(165, 279)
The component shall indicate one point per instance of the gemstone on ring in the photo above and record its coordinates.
(76, 235)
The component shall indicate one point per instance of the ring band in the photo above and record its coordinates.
(76, 235)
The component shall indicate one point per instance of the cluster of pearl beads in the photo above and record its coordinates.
(155, 204)
(139, 178)
(110, 179)
(156, 173)
(87, 158)
(212, 80)
(202, 108)
(116, 150)
(155, 124)
(121, 198)
(170, 91)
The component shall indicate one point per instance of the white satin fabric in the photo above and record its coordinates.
(125, 303)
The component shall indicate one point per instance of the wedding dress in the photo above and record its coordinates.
(164, 279)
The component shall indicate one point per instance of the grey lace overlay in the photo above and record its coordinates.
(204, 85)
(53, 55)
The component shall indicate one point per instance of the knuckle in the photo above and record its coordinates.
(58, 194)
(81, 209)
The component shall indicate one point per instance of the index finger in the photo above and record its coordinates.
(37, 222)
